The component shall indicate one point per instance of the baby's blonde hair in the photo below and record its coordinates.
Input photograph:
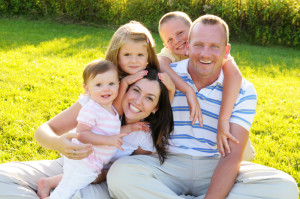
(136, 32)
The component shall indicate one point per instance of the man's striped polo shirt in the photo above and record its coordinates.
(201, 141)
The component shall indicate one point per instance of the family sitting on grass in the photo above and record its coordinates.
(139, 135)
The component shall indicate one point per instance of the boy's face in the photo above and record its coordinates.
(174, 34)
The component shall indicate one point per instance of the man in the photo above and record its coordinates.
(193, 166)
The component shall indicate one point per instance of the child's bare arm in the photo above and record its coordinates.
(180, 84)
(86, 136)
(125, 82)
(167, 81)
(231, 88)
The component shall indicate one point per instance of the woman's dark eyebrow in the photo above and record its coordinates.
(137, 87)
(141, 89)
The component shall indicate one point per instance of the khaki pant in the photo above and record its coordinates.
(19, 180)
(183, 176)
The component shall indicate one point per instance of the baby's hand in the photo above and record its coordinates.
(223, 134)
(116, 140)
(130, 79)
(195, 110)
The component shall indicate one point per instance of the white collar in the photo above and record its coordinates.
(182, 66)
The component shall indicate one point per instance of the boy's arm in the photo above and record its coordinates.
(231, 88)
(125, 82)
(180, 84)
(86, 136)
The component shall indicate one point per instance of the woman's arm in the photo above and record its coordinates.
(180, 84)
(52, 134)
(231, 89)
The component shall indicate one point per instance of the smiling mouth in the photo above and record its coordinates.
(105, 96)
(134, 67)
(181, 47)
(205, 62)
(134, 109)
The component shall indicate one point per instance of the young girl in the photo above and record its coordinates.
(132, 49)
(174, 29)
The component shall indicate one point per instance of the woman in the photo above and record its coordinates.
(146, 100)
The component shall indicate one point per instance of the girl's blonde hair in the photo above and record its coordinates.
(136, 32)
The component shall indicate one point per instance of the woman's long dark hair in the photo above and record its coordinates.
(161, 123)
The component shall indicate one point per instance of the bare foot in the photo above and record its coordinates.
(43, 188)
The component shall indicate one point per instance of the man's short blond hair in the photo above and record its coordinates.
(212, 20)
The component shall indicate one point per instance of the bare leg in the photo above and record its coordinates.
(45, 185)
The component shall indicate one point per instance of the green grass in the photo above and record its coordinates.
(41, 64)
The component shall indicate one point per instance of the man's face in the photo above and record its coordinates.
(174, 34)
(207, 50)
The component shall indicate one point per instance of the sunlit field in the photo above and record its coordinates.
(41, 63)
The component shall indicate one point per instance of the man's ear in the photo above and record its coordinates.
(187, 49)
(86, 88)
(227, 51)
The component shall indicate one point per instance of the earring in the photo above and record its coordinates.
(153, 112)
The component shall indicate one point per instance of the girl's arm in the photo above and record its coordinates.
(180, 84)
(231, 89)
(137, 126)
(125, 82)
(52, 134)
(167, 81)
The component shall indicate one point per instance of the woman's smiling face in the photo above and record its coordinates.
(140, 100)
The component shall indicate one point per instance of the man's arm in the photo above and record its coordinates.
(228, 167)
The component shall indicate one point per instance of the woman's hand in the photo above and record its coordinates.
(73, 150)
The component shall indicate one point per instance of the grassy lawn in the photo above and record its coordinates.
(41, 63)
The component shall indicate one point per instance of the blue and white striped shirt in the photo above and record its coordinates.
(201, 141)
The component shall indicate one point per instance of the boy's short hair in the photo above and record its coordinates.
(172, 15)
(96, 67)
(212, 20)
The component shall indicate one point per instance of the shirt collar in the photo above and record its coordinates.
(181, 68)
